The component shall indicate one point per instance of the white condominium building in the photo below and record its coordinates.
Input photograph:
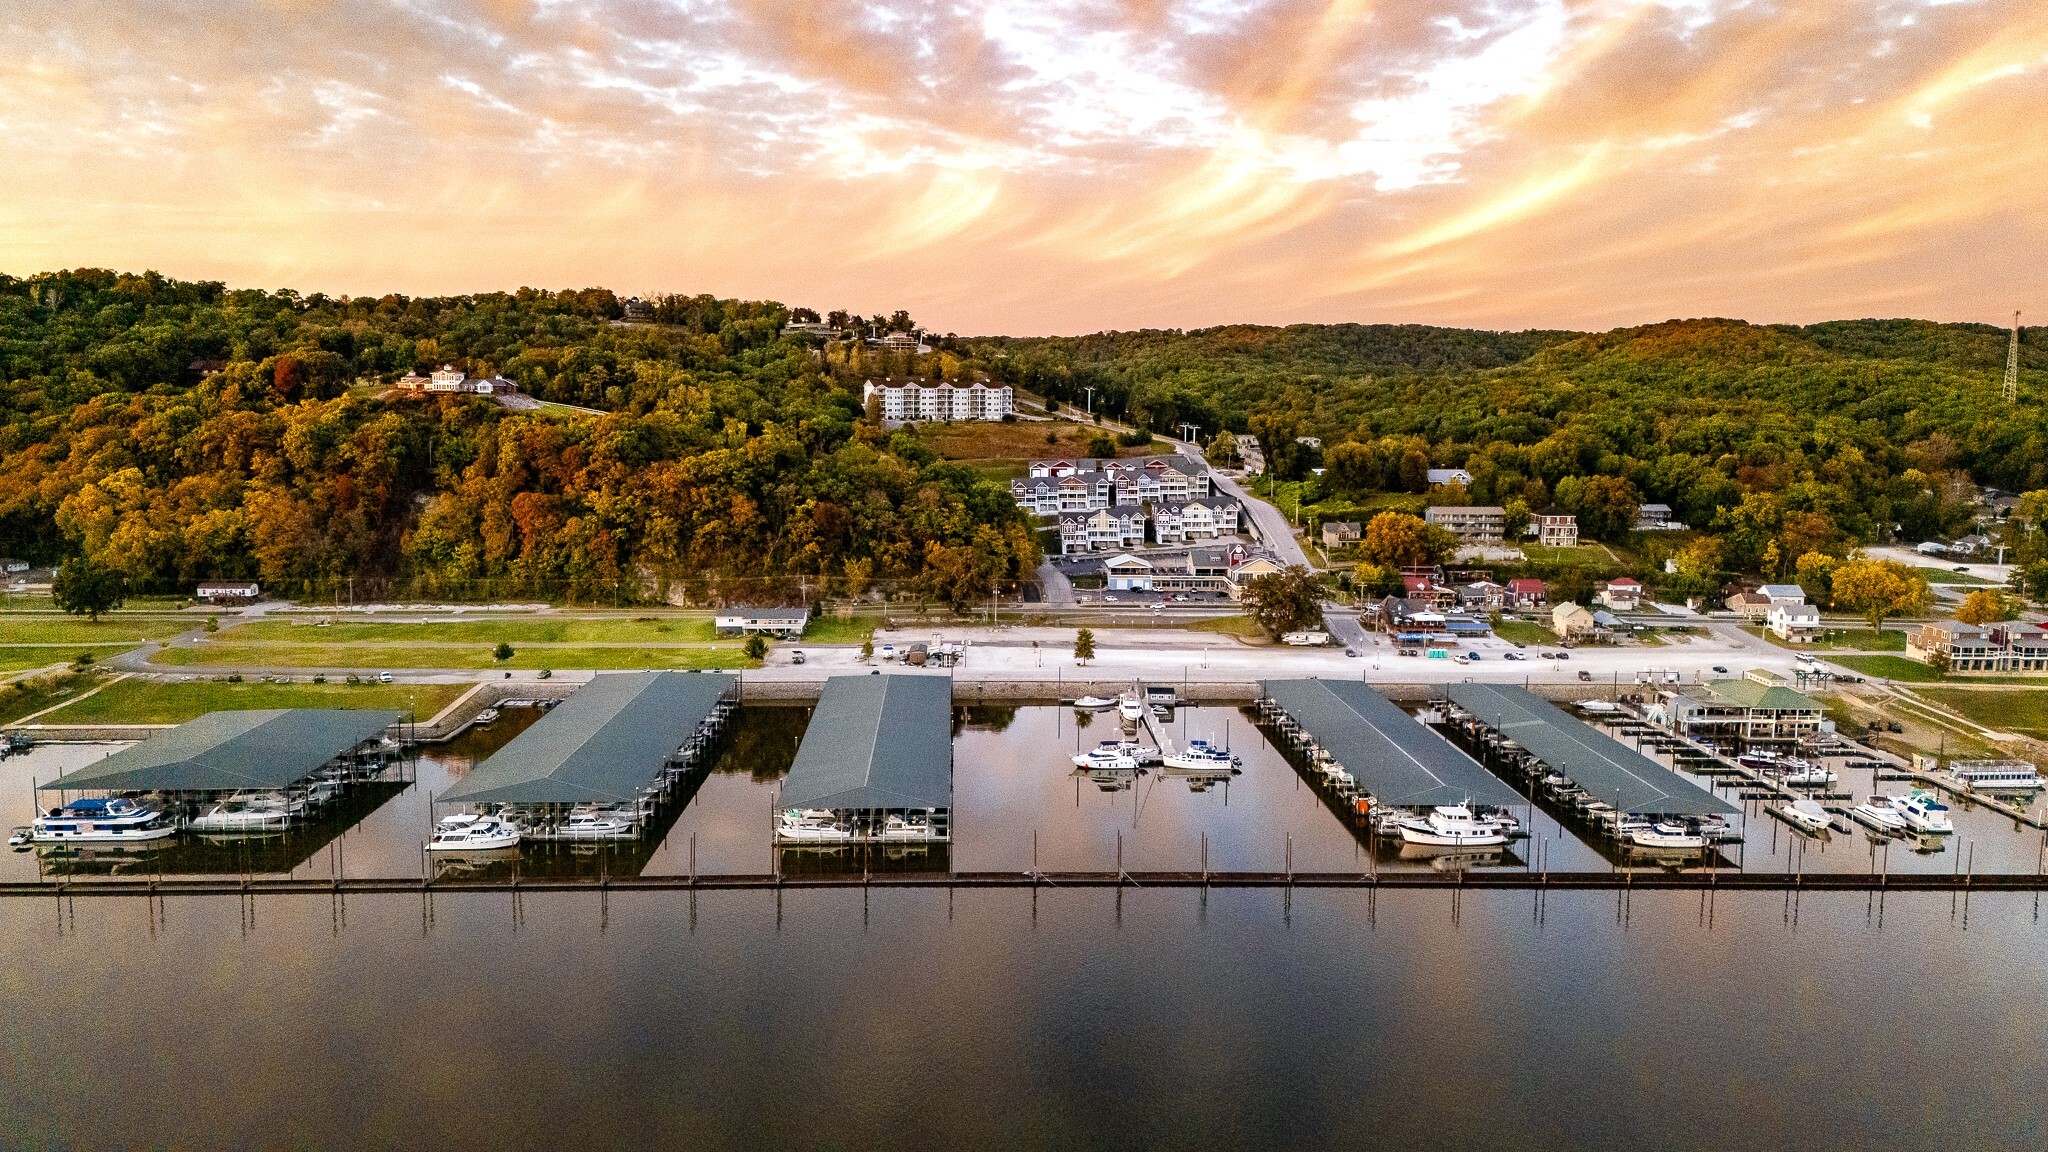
(920, 400)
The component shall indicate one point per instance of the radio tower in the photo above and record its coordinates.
(2012, 364)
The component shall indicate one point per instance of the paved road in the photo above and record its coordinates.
(1274, 530)
(1054, 586)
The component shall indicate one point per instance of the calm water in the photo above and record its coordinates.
(901, 1018)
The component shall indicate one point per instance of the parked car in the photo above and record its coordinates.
(1585, 675)
(1472, 655)
(1961, 568)
(1548, 655)
(796, 656)
(1512, 656)
(383, 677)
(1351, 651)
(888, 651)
(1564, 655)
(1721, 669)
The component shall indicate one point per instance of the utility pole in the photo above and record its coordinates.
(2012, 363)
(1091, 400)
(1189, 431)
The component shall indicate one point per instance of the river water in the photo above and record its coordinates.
(1091, 1019)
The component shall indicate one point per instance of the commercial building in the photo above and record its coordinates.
(787, 623)
(1794, 623)
(1753, 710)
(2004, 647)
(230, 592)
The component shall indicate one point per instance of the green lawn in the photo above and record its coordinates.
(1914, 672)
(152, 702)
(1845, 639)
(1944, 576)
(427, 655)
(37, 693)
(526, 630)
(19, 659)
(2020, 710)
(1240, 626)
(832, 630)
(1522, 631)
(124, 630)
(1584, 556)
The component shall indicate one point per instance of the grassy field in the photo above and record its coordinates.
(1243, 627)
(21, 659)
(644, 630)
(124, 630)
(1584, 556)
(151, 702)
(1944, 576)
(1913, 672)
(2017, 710)
(1842, 639)
(425, 655)
(980, 442)
(832, 630)
(1522, 632)
(37, 693)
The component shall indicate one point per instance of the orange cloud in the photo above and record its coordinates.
(1055, 165)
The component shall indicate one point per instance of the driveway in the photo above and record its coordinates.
(1274, 530)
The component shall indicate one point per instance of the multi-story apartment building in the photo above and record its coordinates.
(924, 400)
(1103, 530)
(1473, 523)
(2006, 647)
(1557, 530)
(1174, 522)
(1056, 486)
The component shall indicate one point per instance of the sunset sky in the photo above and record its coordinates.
(1032, 166)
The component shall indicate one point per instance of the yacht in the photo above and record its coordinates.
(244, 812)
(469, 832)
(1762, 760)
(1924, 813)
(1452, 825)
(807, 830)
(1131, 706)
(1108, 756)
(1138, 752)
(1881, 813)
(1094, 703)
(1800, 774)
(595, 824)
(1995, 777)
(1807, 815)
(111, 821)
(1202, 756)
(906, 828)
(1666, 836)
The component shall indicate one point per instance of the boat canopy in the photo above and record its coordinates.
(1607, 769)
(1398, 761)
(263, 749)
(876, 742)
(604, 744)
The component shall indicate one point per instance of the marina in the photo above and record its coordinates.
(875, 766)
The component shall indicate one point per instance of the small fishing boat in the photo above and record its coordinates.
(470, 832)
(1668, 836)
(1095, 703)
(1452, 825)
(1202, 756)
(1761, 760)
(1880, 812)
(1924, 813)
(21, 837)
(101, 821)
(1806, 815)
(487, 715)
(1108, 756)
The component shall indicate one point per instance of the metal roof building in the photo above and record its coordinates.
(261, 750)
(876, 743)
(604, 744)
(1606, 768)
(1394, 758)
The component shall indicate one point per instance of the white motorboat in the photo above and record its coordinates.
(21, 837)
(101, 821)
(1762, 760)
(1999, 776)
(1107, 756)
(1880, 812)
(595, 824)
(1094, 703)
(1924, 813)
(245, 813)
(1800, 774)
(1807, 815)
(1452, 825)
(897, 827)
(470, 832)
(1143, 755)
(1202, 756)
(1666, 836)
(812, 831)
(487, 715)
(1131, 707)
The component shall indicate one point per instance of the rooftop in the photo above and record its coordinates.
(602, 745)
(1606, 768)
(262, 750)
(1398, 760)
(876, 742)
(1751, 694)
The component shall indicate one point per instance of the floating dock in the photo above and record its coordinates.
(1538, 738)
(619, 742)
(1388, 757)
(266, 750)
(878, 758)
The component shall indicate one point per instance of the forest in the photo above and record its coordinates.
(174, 431)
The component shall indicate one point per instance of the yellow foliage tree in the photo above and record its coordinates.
(1876, 589)
(1987, 606)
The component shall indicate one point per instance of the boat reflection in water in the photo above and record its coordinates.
(260, 850)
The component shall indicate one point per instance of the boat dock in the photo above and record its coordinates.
(1374, 754)
(875, 765)
(619, 745)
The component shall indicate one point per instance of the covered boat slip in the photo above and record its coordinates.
(1393, 758)
(267, 750)
(1606, 769)
(878, 758)
(620, 740)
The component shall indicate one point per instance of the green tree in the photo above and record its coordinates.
(213, 623)
(1815, 572)
(1084, 645)
(1222, 451)
(83, 587)
(867, 650)
(1101, 446)
(1290, 600)
(1399, 540)
(1877, 589)
(502, 652)
(1514, 518)
(756, 647)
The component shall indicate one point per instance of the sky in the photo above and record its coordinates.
(1055, 166)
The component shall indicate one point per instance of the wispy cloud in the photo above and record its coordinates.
(1041, 165)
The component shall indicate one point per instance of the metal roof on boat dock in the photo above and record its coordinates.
(610, 739)
(1396, 759)
(876, 742)
(1607, 769)
(263, 749)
